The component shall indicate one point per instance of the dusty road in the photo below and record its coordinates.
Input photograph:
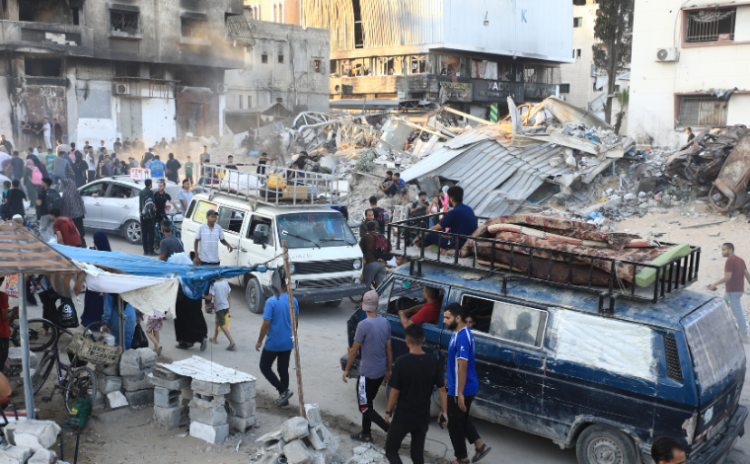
(323, 340)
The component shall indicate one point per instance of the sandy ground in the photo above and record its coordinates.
(131, 437)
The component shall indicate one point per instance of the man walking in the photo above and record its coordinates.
(17, 165)
(221, 293)
(14, 200)
(414, 376)
(277, 332)
(42, 209)
(65, 229)
(147, 208)
(186, 196)
(204, 158)
(47, 132)
(462, 386)
(369, 217)
(61, 169)
(189, 171)
(373, 337)
(90, 162)
(735, 273)
(157, 168)
(161, 197)
(207, 238)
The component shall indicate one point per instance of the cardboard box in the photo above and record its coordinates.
(292, 192)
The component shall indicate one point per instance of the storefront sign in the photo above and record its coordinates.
(497, 91)
(456, 91)
(539, 91)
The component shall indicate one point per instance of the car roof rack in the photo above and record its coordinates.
(291, 188)
(672, 275)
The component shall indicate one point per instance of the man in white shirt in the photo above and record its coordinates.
(47, 133)
(207, 238)
(91, 163)
(185, 195)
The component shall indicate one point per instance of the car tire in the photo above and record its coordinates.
(333, 304)
(254, 296)
(599, 444)
(132, 232)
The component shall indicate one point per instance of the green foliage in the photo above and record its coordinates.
(614, 30)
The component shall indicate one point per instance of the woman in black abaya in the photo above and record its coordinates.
(189, 325)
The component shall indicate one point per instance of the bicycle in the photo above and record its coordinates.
(39, 340)
(77, 381)
(159, 235)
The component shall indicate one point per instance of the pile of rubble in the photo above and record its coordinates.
(29, 442)
(126, 383)
(300, 441)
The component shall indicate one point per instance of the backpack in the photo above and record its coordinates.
(382, 247)
(380, 216)
(36, 176)
(149, 209)
(54, 200)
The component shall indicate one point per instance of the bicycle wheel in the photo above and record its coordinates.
(82, 382)
(41, 374)
(41, 334)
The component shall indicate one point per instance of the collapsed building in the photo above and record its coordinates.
(134, 68)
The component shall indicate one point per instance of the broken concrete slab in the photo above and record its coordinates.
(136, 382)
(130, 363)
(209, 433)
(164, 373)
(241, 424)
(42, 456)
(33, 434)
(146, 358)
(316, 439)
(272, 447)
(330, 440)
(209, 388)
(116, 400)
(246, 409)
(270, 436)
(140, 398)
(15, 455)
(109, 383)
(296, 427)
(164, 398)
(297, 453)
(171, 418)
(312, 411)
(210, 416)
(174, 384)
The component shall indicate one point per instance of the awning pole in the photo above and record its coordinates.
(23, 321)
(293, 318)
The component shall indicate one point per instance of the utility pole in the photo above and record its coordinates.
(293, 319)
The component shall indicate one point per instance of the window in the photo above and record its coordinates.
(702, 111)
(264, 58)
(230, 220)
(507, 321)
(240, 101)
(264, 226)
(43, 67)
(318, 66)
(405, 294)
(249, 101)
(418, 64)
(577, 53)
(281, 59)
(120, 191)
(96, 190)
(710, 25)
(564, 88)
(325, 229)
(127, 69)
(279, 100)
(200, 211)
(579, 2)
(195, 28)
(123, 21)
(577, 22)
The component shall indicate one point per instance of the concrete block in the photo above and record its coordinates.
(171, 418)
(330, 440)
(140, 398)
(136, 382)
(273, 447)
(316, 439)
(164, 373)
(241, 392)
(43, 456)
(208, 401)
(209, 388)
(100, 402)
(14, 357)
(116, 400)
(33, 434)
(241, 424)
(176, 384)
(210, 416)
(268, 459)
(15, 455)
(109, 383)
(146, 357)
(209, 433)
(312, 411)
(319, 457)
(296, 427)
(297, 453)
(164, 398)
(246, 409)
(270, 436)
(130, 363)
(112, 369)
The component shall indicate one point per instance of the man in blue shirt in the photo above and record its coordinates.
(157, 168)
(462, 386)
(401, 188)
(277, 325)
(460, 220)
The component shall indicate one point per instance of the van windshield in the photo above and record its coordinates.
(305, 230)
(715, 343)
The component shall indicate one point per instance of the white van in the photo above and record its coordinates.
(325, 258)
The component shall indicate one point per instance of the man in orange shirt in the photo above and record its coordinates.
(428, 312)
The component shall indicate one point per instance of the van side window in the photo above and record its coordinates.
(190, 209)
(230, 219)
(384, 298)
(407, 294)
(258, 220)
(200, 211)
(508, 321)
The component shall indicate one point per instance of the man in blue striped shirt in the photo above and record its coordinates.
(462, 386)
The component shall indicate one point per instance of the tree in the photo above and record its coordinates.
(614, 30)
(623, 97)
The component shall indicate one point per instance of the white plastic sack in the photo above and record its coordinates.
(180, 258)
(242, 183)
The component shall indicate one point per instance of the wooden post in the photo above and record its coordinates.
(23, 322)
(293, 319)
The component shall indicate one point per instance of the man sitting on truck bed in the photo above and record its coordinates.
(428, 312)
(460, 219)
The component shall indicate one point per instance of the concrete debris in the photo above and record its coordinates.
(298, 441)
(43, 456)
(368, 454)
(32, 434)
(116, 400)
(209, 433)
(15, 454)
(295, 427)
(296, 452)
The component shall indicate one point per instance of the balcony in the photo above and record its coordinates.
(47, 38)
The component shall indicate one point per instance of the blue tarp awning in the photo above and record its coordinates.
(194, 279)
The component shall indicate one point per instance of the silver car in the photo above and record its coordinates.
(112, 205)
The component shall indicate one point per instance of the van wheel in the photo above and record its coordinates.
(132, 232)
(333, 304)
(254, 296)
(604, 445)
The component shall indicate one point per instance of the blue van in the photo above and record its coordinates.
(551, 362)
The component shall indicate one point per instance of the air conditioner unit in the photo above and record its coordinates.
(221, 88)
(122, 89)
(667, 54)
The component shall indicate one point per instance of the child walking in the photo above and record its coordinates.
(153, 327)
(222, 298)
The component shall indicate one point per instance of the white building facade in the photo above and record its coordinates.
(687, 62)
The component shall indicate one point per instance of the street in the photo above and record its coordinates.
(322, 335)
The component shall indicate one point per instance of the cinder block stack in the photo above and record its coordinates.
(135, 366)
(169, 410)
(241, 406)
(208, 414)
(29, 442)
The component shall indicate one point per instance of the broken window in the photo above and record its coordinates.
(264, 58)
(577, 22)
(51, 11)
(702, 111)
(418, 64)
(123, 21)
(318, 66)
(43, 67)
(564, 88)
(236, 28)
(529, 74)
(195, 28)
(127, 69)
(281, 59)
(710, 25)
(359, 35)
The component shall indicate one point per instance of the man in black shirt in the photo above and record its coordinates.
(414, 376)
(171, 244)
(42, 210)
(417, 209)
(160, 201)
(117, 146)
(230, 163)
(15, 199)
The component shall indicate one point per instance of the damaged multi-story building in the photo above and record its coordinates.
(283, 74)
(689, 68)
(125, 68)
(407, 53)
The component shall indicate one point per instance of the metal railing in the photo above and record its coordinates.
(288, 187)
(671, 276)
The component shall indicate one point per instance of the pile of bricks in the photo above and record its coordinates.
(127, 383)
(300, 441)
(217, 407)
(29, 442)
